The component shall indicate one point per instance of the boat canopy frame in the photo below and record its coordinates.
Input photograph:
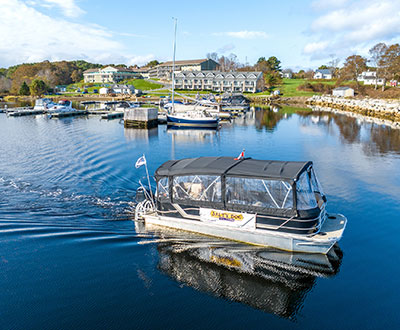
(223, 169)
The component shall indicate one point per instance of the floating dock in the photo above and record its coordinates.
(68, 114)
(112, 115)
(25, 112)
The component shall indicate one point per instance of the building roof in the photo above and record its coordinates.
(91, 70)
(246, 167)
(186, 62)
(324, 71)
(342, 88)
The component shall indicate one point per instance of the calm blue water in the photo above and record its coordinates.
(71, 257)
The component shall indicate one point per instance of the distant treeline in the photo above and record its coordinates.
(51, 73)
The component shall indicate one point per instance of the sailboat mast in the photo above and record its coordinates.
(173, 67)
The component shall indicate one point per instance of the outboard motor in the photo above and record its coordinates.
(141, 194)
(145, 203)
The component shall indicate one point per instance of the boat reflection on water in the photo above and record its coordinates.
(266, 279)
(191, 134)
(141, 134)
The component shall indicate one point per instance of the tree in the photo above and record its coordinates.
(353, 67)
(268, 66)
(323, 67)
(24, 90)
(38, 87)
(333, 65)
(390, 63)
(152, 63)
(272, 79)
(376, 54)
(274, 64)
(76, 76)
(309, 74)
(213, 56)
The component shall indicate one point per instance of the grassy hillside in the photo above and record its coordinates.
(142, 84)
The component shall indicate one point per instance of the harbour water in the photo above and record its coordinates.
(71, 256)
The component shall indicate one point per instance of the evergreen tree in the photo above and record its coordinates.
(38, 87)
(24, 90)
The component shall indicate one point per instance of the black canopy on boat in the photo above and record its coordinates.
(246, 167)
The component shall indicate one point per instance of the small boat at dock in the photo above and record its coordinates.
(262, 202)
(62, 106)
(192, 118)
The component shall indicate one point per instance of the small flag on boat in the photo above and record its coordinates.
(241, 155)
(141, 161)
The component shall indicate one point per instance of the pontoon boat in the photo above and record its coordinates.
(262, 202)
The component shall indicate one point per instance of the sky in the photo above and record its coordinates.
(301, 34)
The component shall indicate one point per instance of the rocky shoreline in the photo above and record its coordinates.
(386, 110)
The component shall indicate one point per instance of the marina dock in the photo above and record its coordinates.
(24, 112)
(69, 114)
(112, 115)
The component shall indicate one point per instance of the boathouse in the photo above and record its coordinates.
(343, 92)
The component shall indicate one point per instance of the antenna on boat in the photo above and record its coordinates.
(173, 66)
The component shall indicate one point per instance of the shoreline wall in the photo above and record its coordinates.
(376, 108)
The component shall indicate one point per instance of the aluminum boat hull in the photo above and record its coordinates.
(331, 232)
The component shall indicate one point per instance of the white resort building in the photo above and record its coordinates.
(220, 81)
(164, 70)
(109, 74)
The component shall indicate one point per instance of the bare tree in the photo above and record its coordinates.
(333, 65)
(212, 56)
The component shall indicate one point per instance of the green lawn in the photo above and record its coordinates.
(142, 84)
(289, 87)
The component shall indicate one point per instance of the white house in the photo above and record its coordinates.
(323, 74)
(343, 92)
(369, 78)
(123, 89)
(287, 74)
(104, 91)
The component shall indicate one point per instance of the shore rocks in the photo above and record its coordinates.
(377, 108)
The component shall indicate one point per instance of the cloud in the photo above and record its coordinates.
(69, 7)
(313, 47)
(243, 34)
(328, 4)
(352, 26)
(27, 35)
(226, 48)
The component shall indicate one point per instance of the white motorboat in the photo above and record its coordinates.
(62, 106)
(43, 104)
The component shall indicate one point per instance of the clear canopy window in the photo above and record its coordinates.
(305, 194)
(197, 187)
(259, 192)
(162, 188)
